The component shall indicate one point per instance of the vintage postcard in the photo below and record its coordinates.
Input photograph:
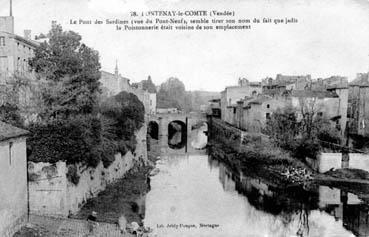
(180, 118)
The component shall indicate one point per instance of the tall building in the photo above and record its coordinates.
(112, 84)
(15, 50)
(15, 53)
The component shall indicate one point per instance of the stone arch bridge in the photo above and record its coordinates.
(187, 120)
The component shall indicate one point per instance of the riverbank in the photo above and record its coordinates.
(124, 197)
(260, 158)
(121, 198)
(258, 162)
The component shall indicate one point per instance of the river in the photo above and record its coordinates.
(193, 194)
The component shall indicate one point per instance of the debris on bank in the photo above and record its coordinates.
(293, 174)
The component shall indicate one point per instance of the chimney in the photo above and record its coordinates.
(11, 8)
(27, 34)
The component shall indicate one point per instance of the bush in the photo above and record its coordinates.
(73, 140)
(328, 134)
(306, 148)
(128, 114)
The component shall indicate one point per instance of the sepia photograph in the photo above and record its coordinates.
(184, 118)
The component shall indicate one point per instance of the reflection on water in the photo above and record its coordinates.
(176, 141)
(200, 139)
(193, 189)
(177, 135)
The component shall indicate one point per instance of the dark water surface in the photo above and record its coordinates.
(191, 189)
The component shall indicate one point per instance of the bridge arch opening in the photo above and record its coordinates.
(177, 134)
(153, 130)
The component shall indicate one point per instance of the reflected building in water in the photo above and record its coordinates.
(294, 206)
(345, 207)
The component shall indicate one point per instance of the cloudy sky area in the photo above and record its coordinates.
(331, 38)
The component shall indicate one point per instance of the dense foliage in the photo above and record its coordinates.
(302, 136)
(73, 141)
(171, 94)
(72, 70)
(127, 112)
(74, 128)
(89, 139)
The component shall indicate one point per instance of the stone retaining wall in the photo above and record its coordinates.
(52, 193)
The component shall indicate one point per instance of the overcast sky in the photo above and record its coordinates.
(331, 38)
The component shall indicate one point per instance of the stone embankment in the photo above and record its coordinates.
(61, 190)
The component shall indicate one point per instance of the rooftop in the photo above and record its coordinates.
(314, 93)
(29, 42)
(260, 99)
(8, 131)
(362, 79)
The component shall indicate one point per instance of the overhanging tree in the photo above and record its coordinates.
(72, 71)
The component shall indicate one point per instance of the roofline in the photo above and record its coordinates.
(24, 135)
(24, 40)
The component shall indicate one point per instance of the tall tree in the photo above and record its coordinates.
(149, 85)
(72, 71)
(172, 93)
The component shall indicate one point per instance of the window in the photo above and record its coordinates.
(320, 114)
(267, 115)
(10, 152)
(2, 41)
(268, 106)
